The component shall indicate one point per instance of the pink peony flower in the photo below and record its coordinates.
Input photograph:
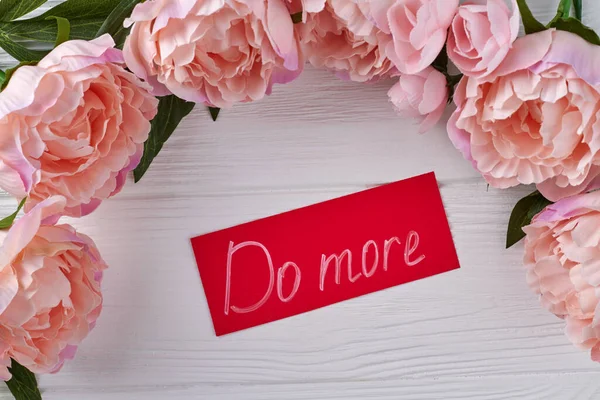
(535, 119)
(562, 253)
(348, 37)
(217, 52)
(481, 35)
(419, 29)
(73, 125)
(422, 95)
(49, 290)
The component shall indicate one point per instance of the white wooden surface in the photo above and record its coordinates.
(475, 333)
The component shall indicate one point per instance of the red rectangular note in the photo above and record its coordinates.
(322, 254)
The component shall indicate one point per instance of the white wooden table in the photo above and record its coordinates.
(475, 333)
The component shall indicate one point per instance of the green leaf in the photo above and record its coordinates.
(44, 32)
(563, 11)
(20, 52)
(11, 71)
(13, 9)
(23, 384)
(578, 8)
(81, 9)
(171, 110)
(214, 112)
(524, 211)
(2, 79)
(531, 24)
(577, 27)
(297, 17)
(441, 61)
(113, 25)
(86, 18)
(64, 30)
(8, 221)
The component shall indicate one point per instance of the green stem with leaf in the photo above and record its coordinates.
(562, 21)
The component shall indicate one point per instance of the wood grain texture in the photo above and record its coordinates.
(475, 333)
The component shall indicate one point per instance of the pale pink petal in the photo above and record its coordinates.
(431, 119)
(435, 92)
(553, 192)
(8, 285)
(313, 6)
(568, 48)
(77, 54)
(526, 52)
(515, 20)
(281, 32)
(499, 15)
(13, 97)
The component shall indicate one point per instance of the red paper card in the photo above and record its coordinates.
(297, 261)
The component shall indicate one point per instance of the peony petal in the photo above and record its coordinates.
(9, 285)
(281, 32)
(500, 26)
(554, 192)
(77, 54)
(526, 52)
(570, 207)
(435, 92)
(13, 97)
(431, 119)
(569, 48)
(515, 20)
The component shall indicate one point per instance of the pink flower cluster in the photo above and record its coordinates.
(72, 127)
(528, 112)
(222, 52)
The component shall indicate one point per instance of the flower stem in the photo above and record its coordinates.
(578, 8)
